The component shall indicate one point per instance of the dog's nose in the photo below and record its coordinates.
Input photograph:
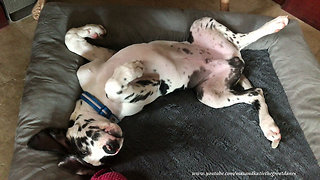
(111, 147)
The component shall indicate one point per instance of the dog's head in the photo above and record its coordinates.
(94, 139)
(89, 142)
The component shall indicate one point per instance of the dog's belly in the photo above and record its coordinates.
(183, 64)
(179, 65)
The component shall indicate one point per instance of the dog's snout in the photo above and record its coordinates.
(115, 134)
(111, 147)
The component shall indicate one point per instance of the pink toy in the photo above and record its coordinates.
(105, 175)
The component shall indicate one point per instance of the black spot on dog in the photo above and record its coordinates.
(237, 66)
(77, 144)
(71, 123)
(141, 91)
(228, 100)
(163, 87)
(212, 26)
(80, 102)
(140, 97)
(95, 136)
(200, 93)
(122, 86)
(154, 70)
(80, 141)
(253, 93)
(128, 96)
(198, 77)
(187, 51)
(237, 42)
(89, 133)
(89, 120)
(237, 87)
(79, 129)
(107, 95)
(157, 83)
(78, 116)
(124, 79)
(94, 127)
(84, 125)
(144, 82)
(257, 105)
(242, 35)
(91, 142)
(190, 38)
(119, 92)
(208, 60)
(239, 93)
(180, 88)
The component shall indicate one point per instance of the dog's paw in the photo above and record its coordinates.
(93, 31)
(122, 76)
(36, 10)
(202, 23)
(129, 72)
(271, 131)
(276, 24)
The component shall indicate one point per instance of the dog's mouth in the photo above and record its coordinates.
(114, 144)
(112, 147)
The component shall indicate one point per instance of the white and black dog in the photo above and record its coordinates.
(120, 84)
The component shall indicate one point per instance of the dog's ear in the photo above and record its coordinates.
(51, 139)
(76, 166)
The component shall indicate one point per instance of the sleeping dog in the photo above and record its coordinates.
(119, 84)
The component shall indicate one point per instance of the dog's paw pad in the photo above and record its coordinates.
(277, 24)
(94, 31)
(271, 131)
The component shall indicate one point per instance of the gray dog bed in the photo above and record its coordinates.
(176, 137)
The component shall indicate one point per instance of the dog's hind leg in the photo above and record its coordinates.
(238, 39)
(209, 94)
(129, 85)
(270, 27)
(76, 42)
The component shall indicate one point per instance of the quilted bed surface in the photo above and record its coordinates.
(178, 142)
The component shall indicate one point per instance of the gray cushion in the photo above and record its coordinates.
(51, 86)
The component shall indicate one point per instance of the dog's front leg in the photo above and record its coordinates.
(128, 85)
(76, 42)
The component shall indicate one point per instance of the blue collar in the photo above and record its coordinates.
(98, 106)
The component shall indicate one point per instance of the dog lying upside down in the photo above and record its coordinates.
(119, 84)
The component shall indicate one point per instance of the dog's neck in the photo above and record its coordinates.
(97, 106)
